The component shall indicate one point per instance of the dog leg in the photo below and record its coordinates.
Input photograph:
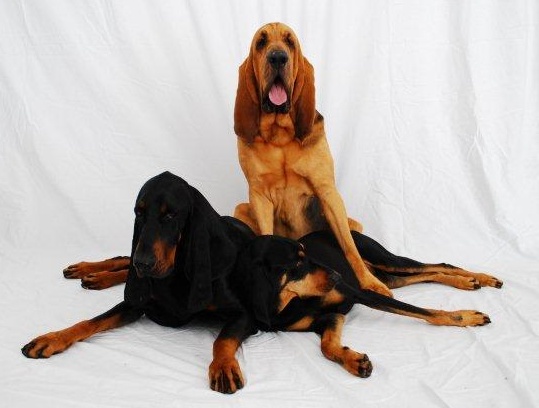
(81, 269)
(243, 213)
(405, 271)
(394, 280)
(55, 342)
(355, 225)
(104, 279)
(224, 373)
(461, 318)
(262, 212)
(335, 214)
(329, 326)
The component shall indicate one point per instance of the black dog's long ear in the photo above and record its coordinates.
(263, 265)
(209, 252)
(137, 290)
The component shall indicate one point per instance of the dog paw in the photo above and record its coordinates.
(488, 280)
(97, 280)
(464, 318)
(77, 271)
(45, 346)
(356, 363)
(376, 286)
(225, 376)
(467, 283)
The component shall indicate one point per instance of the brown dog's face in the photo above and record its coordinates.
(275, 52)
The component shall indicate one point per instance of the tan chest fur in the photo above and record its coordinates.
(275, 163)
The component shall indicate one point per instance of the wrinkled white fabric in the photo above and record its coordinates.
(432, 114)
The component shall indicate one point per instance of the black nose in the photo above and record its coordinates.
(277, 58)
(143, 266)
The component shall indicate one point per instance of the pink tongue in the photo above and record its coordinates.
(277, 94)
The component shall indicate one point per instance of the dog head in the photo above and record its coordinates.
(178, 234)
(277, 270)
(274, 78)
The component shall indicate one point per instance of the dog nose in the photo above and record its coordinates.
(143, 266)
(277, 58)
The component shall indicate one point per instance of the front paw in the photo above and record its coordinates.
(78, 270)
(489, 280)
(376, 286)
(225, 376)
(356, 363)
(98, 280)
(45, 346)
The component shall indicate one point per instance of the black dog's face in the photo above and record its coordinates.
(298, 274)
(161, 213)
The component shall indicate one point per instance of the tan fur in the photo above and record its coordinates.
(225, 365)
(285, 156)
(58, 341)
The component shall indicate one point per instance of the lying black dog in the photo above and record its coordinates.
(186, 260)
(182, 256)
(294, 285)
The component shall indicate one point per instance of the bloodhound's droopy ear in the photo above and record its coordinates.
(209, 253)
(247, 107)
(303, 100)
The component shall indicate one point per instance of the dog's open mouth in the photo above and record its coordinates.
(277, 94)
(276, 99)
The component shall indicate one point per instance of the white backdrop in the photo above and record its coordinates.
(432, 114)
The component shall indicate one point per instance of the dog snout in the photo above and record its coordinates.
(143, 265)
(277, 58)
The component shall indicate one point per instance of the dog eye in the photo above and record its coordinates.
(289, 41)
(262, 41)
(170, 215)
(138, 212)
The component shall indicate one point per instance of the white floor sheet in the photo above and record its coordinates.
(432, 114)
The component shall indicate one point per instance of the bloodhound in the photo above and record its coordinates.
(283, 150)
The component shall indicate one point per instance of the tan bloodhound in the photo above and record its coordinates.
(283, 150)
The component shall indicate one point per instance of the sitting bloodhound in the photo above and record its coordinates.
(283, 150)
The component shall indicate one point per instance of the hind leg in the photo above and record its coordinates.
(355, 225)
(244, 213)
(394, 281)
(441, 273)
(401, 271)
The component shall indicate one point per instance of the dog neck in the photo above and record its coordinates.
(276, 128)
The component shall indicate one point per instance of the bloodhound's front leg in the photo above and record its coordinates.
(335, 213)
(257, 214)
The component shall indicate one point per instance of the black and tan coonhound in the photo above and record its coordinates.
(182, 256)
(308, 285)
(186, 261)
